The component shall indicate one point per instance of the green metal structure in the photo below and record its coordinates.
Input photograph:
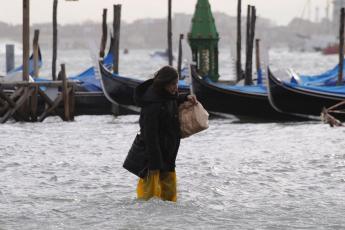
(203, 40)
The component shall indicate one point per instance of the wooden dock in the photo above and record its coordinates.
(29, 101)
(34, 101)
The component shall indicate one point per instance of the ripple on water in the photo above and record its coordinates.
(223, 182)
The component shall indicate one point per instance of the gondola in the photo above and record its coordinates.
(328, 78)
(16, 73)
(87, 80)
(120, 90)
(241, 101)
(90, 99)
(290, 98)
(31, 64)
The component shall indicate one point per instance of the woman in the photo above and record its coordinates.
(160, 128)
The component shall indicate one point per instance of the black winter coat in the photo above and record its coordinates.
(159, 125)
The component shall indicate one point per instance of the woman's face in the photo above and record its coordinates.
(172, 88)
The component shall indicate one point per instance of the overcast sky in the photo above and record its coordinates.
(279, 11)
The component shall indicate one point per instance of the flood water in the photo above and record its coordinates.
(235, 175)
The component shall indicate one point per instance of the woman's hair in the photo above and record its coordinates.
(164, 77)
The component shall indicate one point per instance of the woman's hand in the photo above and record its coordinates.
(192, 99)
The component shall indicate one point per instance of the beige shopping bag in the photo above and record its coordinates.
(193, 118)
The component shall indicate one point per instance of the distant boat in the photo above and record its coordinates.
(331, 49)
(161, 54)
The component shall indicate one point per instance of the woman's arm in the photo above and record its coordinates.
(182, 97)
(186, 97)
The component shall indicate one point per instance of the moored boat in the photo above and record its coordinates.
(120, 90)
(242, 101)
(291, 98)
(16, 73)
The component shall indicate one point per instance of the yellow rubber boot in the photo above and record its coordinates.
(149, 186)
(157, 184)
(168, 186)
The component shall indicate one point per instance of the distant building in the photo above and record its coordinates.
(337, 5)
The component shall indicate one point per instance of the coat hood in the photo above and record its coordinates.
(145, 94)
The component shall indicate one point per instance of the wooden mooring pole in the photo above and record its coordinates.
(252, 37)
(24, 103)
(179, 62)
(34, 103)
(258, 61)
(55, 5)
(239, 71)
(170, 53)
(65, 94)
(116, 29)
(104, 33)
(10, 58)
(251, 19)
(341, 47)
(247, 41)
(26, 39)
(36, 53)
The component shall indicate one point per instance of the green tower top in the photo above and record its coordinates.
(203, 40)
(203, 24)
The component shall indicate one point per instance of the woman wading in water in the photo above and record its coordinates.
(160, 131)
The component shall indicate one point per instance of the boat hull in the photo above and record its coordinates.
(220, 100)
(298, 101)
(120, 90)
